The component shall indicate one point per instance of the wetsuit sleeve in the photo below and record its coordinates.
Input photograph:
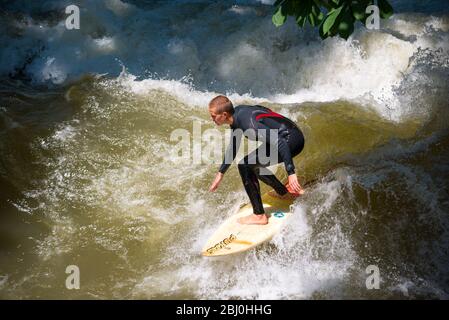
(231, 151)
(263, 133)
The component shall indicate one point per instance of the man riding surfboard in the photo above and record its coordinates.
(276, 132)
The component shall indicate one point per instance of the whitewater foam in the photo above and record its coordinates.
(256, 62)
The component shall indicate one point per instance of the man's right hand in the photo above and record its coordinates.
(216, 182)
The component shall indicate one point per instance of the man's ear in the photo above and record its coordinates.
(226, 114)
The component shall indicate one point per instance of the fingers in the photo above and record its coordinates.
(216, 182)
(296, 187)
(213, 187)
(300, 189)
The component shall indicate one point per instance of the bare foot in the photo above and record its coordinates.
(253, 219)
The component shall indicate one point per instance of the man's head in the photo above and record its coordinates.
(221, 110)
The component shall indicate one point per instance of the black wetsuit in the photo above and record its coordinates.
(256, 123)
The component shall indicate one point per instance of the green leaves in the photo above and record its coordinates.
(358, 9)
(303, 10)
(386, 10)
(346, 25)
(278, 18)
(333, 17)
(315, 17)
(338, 21)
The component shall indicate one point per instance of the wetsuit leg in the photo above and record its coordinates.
(250, 166)
(251, 183)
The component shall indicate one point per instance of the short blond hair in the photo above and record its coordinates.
(222, 104)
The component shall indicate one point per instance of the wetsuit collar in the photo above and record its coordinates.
(233, 125)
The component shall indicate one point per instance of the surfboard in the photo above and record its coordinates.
(232, 237)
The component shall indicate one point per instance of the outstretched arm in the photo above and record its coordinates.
(216, 182)
(231, 152)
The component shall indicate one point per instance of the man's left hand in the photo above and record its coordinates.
(294, 184)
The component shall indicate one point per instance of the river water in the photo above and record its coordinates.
(87, 177)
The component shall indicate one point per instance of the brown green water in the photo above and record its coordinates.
(88, 175)
(93, 187)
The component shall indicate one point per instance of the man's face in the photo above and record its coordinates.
(218, 118)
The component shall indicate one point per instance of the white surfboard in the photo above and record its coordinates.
(232, 237)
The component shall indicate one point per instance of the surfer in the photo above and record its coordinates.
(258, 123)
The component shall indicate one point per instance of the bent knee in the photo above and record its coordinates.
(243, 166)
